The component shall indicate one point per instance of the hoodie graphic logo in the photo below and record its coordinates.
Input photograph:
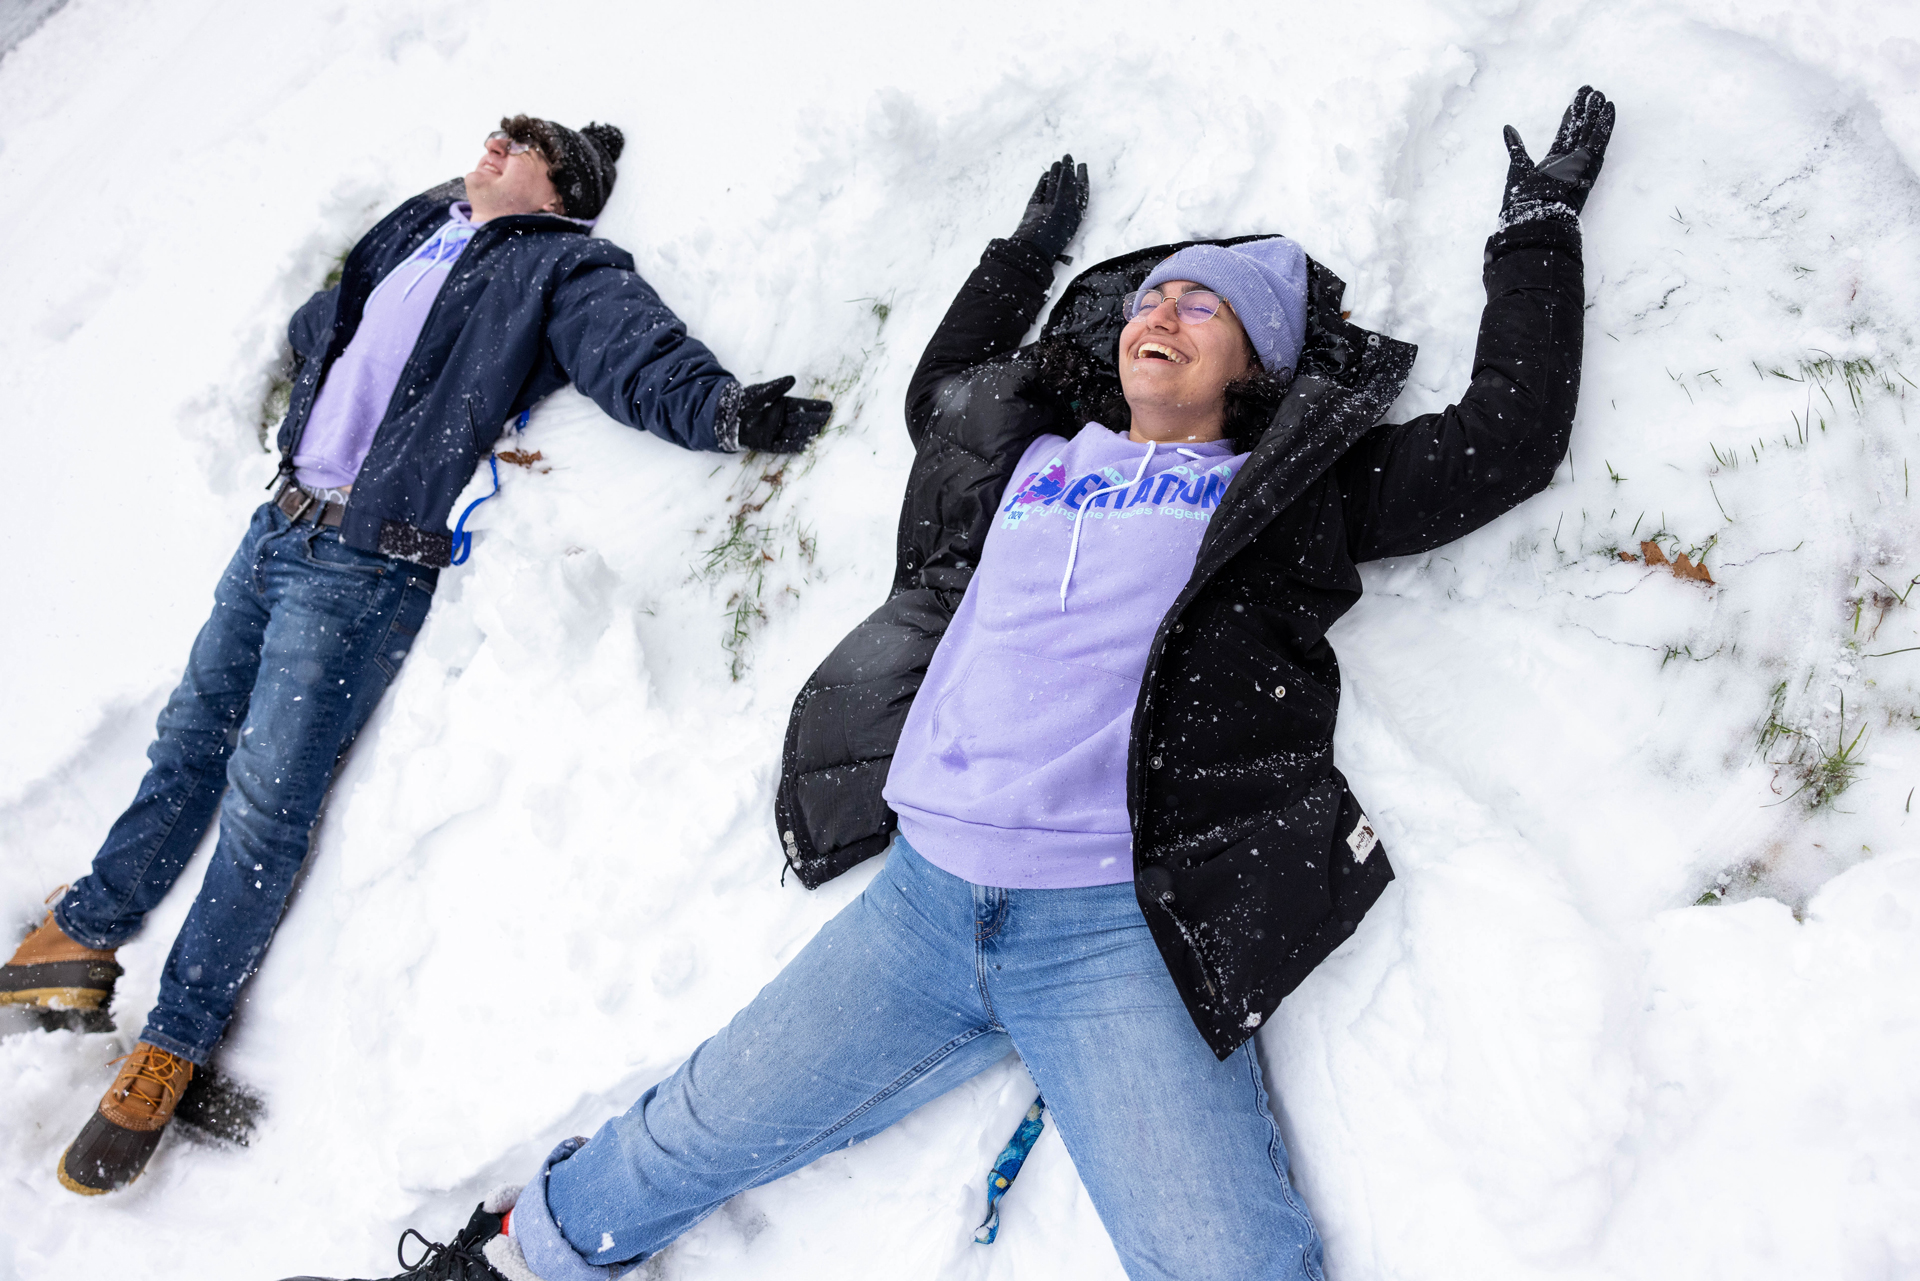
(1042, 486)
(1181, 492)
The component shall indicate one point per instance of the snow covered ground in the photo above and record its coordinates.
(1642, 1002)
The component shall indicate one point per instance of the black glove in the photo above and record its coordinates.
(1558, 186)
(767, 419)
(1054, 209)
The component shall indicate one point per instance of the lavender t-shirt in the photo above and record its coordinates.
(1011, 769)
(360, 384)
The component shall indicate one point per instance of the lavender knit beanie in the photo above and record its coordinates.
(1265, 280)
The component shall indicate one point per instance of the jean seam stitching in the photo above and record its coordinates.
(173, 821)
(1274, 1147)
(380, 651)
(980, 982)
(894, 1087)
(980, 940)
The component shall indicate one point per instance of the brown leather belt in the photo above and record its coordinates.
(299, 505)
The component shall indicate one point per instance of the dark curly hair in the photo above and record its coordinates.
(1080, 388)
(580, 163)
(536, 133)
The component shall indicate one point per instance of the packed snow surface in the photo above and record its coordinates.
(1642, 1002)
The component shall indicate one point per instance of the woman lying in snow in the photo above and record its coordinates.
(1100, 702)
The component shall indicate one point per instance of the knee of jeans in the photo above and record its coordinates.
(273, 808)
(186, 740)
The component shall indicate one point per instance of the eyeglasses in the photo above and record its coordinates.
(515, 146)
(1194, 306)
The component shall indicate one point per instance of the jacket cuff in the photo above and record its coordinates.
(546, 1251)
(726, 420)
(1019, 254)
(1535, 233)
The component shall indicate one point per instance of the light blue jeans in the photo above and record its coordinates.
(919, 984)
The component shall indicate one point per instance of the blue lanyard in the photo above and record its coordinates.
(462, 540)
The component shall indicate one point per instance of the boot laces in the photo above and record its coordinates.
(156, 1069)
(437, 1260)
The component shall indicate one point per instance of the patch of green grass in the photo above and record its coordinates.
(1834, 772)
(1860, 376)
(751, 543)
(1772, 728)
(1823, 773)
(336, 269)
(273, 406)
(879, 308)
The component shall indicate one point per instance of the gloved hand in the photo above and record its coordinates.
(1558, 185)
(771, 421)
(1054, 210)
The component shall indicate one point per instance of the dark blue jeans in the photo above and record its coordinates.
(305, 635)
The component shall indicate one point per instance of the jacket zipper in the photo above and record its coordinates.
(408, 368)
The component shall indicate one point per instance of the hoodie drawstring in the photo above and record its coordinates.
(1073, 548)
(441, 248)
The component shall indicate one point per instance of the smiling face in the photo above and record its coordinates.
(1175, 374)
(504, 183)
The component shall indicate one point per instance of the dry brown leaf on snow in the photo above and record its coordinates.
(1682, 565)
(1684, 568)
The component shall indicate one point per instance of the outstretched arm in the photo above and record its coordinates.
(1413, 486)
(623, 347)
(1003, 296)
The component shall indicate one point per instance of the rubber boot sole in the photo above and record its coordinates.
(59, 985)
(106, 1157)
(57, 998)
(67, 1181)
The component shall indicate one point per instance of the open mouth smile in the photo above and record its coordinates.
(1158, 351)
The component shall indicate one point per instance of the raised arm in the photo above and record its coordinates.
(1004, 294)
(1413, 486)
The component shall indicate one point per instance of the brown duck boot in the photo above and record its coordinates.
(114, 1145)
(54, 972)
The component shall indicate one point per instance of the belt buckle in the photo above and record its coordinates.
(306, 504)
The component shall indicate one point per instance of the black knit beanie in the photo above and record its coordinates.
(580, 163)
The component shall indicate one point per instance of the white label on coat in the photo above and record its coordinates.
(1362, 840)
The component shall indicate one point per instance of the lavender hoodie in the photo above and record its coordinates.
(353, 400)
(1011, 769)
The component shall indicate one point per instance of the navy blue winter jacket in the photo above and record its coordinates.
(532, 304)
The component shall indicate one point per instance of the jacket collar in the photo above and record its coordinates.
(1348, 378)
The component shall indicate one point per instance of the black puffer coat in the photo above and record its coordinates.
(1252, 859)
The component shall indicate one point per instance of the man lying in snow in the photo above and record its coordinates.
(458, 311)
(1100, 702)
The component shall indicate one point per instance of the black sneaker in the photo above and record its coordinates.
(459, 1260)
